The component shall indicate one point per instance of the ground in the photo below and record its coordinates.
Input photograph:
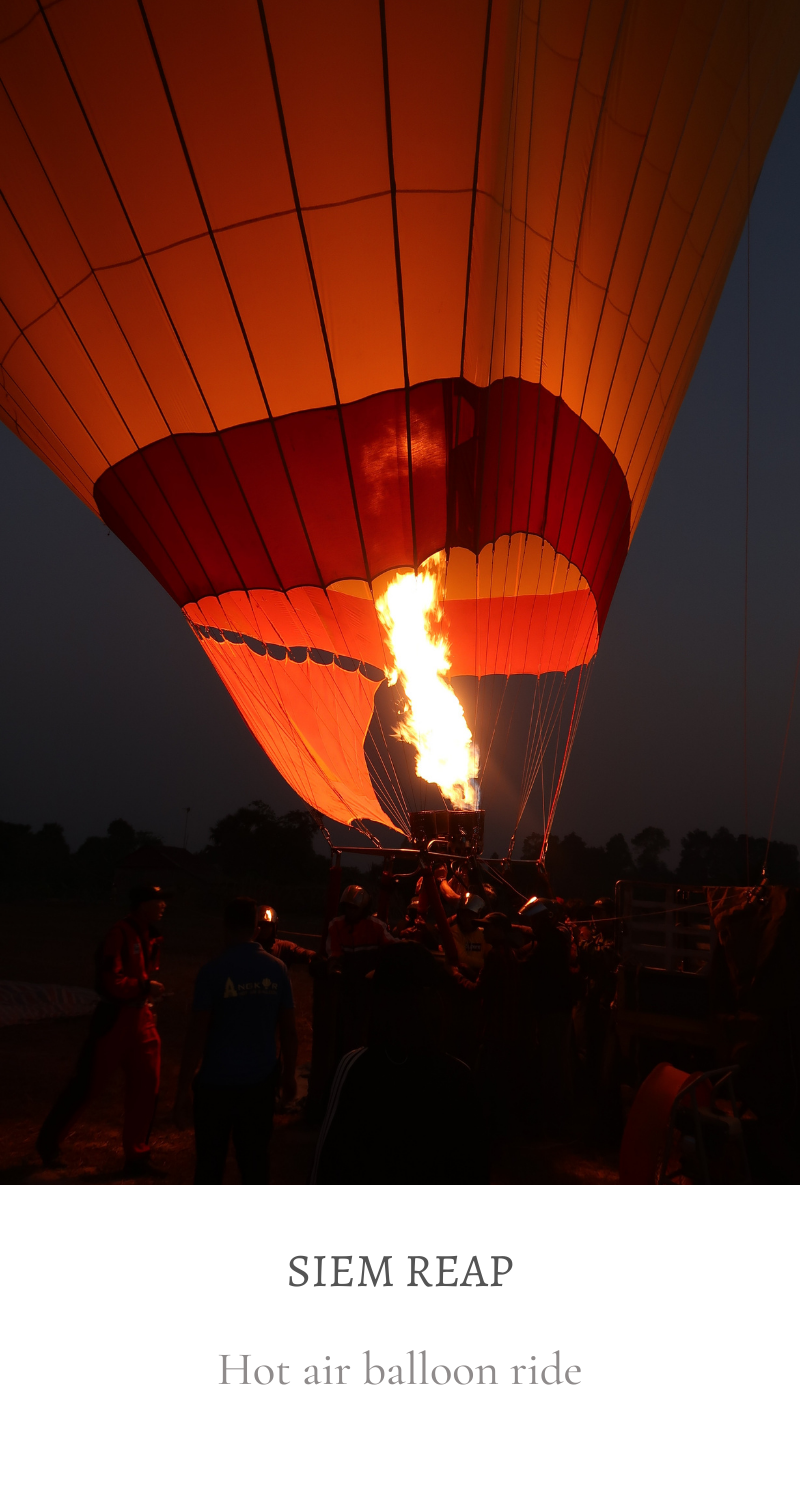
(55, 942)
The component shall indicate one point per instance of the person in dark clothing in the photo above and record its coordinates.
(123, 1034)
(354, 939)
(267, 936)
(241, 1000)
(401, 1109)
(496, 991)
(546, 1000)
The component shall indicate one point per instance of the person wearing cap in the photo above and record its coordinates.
(546, 990)
(123, 1035)
(353, 942)
(401, 1109)
(496, 991)
(242, 1005)
(267, 936)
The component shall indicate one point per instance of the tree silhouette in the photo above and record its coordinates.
(651, 843)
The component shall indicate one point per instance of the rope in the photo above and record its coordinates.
(747, 484)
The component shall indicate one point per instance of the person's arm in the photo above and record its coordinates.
(193, 1048)
(287, 1035)
(292, 953)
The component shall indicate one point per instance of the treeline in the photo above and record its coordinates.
(576, 868)
(253, 841)
(256, 845)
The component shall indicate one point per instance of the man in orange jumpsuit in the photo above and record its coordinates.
(123, 1035)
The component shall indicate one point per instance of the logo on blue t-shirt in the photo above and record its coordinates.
(245, 989)
(250, 987)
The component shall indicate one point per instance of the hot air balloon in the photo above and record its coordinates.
(300, 297)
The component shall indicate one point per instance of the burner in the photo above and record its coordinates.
(453, 832)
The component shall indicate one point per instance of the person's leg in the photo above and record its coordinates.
(142, 1064)
(213, 1109)
(252, 1129)
(97, 1060)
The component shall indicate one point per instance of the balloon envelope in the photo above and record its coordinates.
(295, 296)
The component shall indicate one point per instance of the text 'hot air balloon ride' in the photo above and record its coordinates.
(307, 299)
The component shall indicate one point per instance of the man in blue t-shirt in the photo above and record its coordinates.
(242, 1000)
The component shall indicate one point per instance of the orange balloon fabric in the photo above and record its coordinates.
(295, 296)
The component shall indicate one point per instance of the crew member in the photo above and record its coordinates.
(355, 935)
(267, 936)
(401, 1109)
(123, 1035)
(241, 1000)
(469, 936)
(352, 945)
(450, 890)
(546, 991)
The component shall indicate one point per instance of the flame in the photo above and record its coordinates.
(432, 719)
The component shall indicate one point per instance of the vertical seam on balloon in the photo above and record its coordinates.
(312, 274)
(55, 441)
(299, 741)
(239, 319)
(92, 272)
(60, 305)
(228, 287)
(256, 698)
(475, 172)
(126, 216)
(624, 222)
(139, 247)
(340, 703)
(389, 771)
(685, 304)
(557, 408)
(512, 115)
(519, 384)
(34, 437)
(595, 588)
(51, 377)
(578, 65)
(511, 148)
(174, 438)
(399, 274)
(160, 545)
(698, 320)
(580, 424)
(560, 397)
(144, 259)
(656, 220)
(680, 248)
(600, 112)
(200, 201)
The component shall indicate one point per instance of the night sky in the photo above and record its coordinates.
(110, 708)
